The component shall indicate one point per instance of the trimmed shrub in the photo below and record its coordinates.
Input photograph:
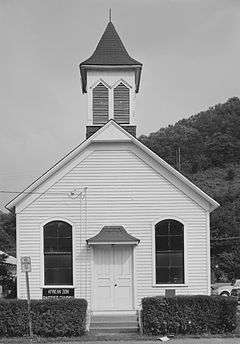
(188, 314)
(50, 317)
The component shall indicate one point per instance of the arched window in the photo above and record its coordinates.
(100, 104)
(169, 244)
(121, 104)
(58, 253)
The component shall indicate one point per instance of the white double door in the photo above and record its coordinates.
(113, 277)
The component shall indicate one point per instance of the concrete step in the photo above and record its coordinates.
(122, 324)
(119, 323)
(114, 330)
(114, 318)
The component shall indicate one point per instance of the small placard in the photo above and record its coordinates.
(26, 264)
(170, 292)
(58, 292)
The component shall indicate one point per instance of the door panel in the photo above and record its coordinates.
(113, 277)
(123, 277)
(103, 284)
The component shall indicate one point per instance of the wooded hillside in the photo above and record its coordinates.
(206, 149)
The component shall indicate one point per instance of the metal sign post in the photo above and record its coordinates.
(26, 267)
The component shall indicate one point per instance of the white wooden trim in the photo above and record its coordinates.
(130, 67)
(134, 278)
(99, 81)
(123, 82)
(114, 243)
(185, 251)
(50, 182)
(208, 245)
(42, 267)
(18, 256)
(92, 279)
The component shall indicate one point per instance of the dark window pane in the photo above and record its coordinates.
(58, 260)
(176, 242)
(65, 244)
(50, 229)
(169, 242)
(176, 259)
(50, 244)
(176, 275)
(162, 227)
(161, 243)
(58, 253)
(162, 259)
(162, 275)
(64, 230)
(58, 276)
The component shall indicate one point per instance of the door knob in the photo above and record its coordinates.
(115, 285)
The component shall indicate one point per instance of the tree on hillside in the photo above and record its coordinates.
(229, 263)
(210, 138)
(8, 233)
(7, 280)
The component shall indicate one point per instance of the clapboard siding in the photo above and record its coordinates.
(121, 190)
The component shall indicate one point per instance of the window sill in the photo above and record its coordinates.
(57, 286)
(169, 285)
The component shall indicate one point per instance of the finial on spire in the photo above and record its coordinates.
(110, 15)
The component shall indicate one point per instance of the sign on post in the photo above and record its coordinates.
(26, 267)
(25, 264)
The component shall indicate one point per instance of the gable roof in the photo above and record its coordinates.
(110, 51)
(104, 134)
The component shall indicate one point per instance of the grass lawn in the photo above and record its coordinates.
(128, 337)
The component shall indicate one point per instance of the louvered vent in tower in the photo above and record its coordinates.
(121, 104)
(100, 104)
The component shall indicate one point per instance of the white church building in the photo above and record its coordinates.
(112, 222)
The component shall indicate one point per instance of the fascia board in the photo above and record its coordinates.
(175, 177)
(53, 179)
(71, 155)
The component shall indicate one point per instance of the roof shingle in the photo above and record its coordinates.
(110, 51)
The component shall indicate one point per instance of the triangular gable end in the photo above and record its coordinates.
(111, 133)
(119, 135)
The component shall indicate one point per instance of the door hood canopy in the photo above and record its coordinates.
(110, 235)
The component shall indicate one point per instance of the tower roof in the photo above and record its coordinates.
(111, 52)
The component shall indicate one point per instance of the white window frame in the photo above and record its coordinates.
(42, 265)
(185, 234)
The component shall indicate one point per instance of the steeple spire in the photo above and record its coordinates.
(110, 15)
(110, 52)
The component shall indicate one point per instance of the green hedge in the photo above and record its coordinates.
(188, 314)
(50, 317)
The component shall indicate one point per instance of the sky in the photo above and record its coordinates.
(190, 50)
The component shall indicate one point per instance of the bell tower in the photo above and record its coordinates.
(111, 79)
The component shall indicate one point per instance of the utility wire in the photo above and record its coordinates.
(35, 193)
